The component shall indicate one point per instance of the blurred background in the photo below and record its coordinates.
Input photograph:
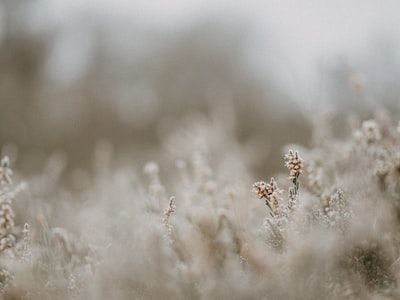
(140, 76)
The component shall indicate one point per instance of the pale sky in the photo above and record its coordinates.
(304, 32)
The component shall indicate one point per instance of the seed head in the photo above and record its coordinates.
(371, 131)
(269, 191)
(259, 188)
(171, 208)
(294, 164)
(5, 171)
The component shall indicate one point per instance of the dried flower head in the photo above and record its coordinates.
(269, 191)
(294, 164)
(259, 188)
(171, 207)
(371, 131)
(5, 171)
(167, 213)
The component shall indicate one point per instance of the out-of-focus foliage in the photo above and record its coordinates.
(86, 102)
(332, 226)
(67, 85)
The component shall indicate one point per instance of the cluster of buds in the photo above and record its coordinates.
(371, 131)
(5, 171)
(270, 192)
(294, 164)
(167, 213)
(6, 218)
(7, 239)
(171, 208)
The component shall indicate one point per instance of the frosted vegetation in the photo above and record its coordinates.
(329, 228)
(168, 168)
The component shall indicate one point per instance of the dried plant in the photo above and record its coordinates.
(336, 232)
(271, 193)
(295, 165)
(93, 223)
(167, 214)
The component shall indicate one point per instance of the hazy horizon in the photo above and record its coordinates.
(296, 39)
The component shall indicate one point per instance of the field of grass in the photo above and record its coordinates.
(147, 163)
(327, 229)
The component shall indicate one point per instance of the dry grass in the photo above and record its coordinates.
(95, 221)
(334, 236)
